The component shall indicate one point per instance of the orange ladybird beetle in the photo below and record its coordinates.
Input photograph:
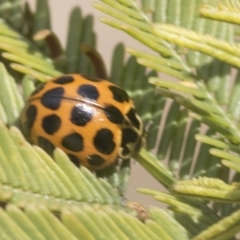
(91, 119)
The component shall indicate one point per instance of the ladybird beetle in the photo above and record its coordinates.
(91, 119)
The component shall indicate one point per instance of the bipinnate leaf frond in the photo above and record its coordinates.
(89, 222)
(34, 186)
(28, 60)
(32, 175)
(187, 94)
(227, 11)
(202, 92)
(201, 124)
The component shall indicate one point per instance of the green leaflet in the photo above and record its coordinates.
(42, 16)
(224, 229)
(228, 14)
(208, 188)
(11, 99)
(28, 58)
(213, 47)
(39, 175)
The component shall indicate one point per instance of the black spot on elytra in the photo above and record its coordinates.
(74, 160)
(81, 114)
(31, 114)
(52, 98)
(51, 123)
(73, 142)
(119, 94)
(95, 160)
(88, 91)
(64, 79)
(113, 114)
(133, 119)
(103, 141)
(92, 79)
(46, 144)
